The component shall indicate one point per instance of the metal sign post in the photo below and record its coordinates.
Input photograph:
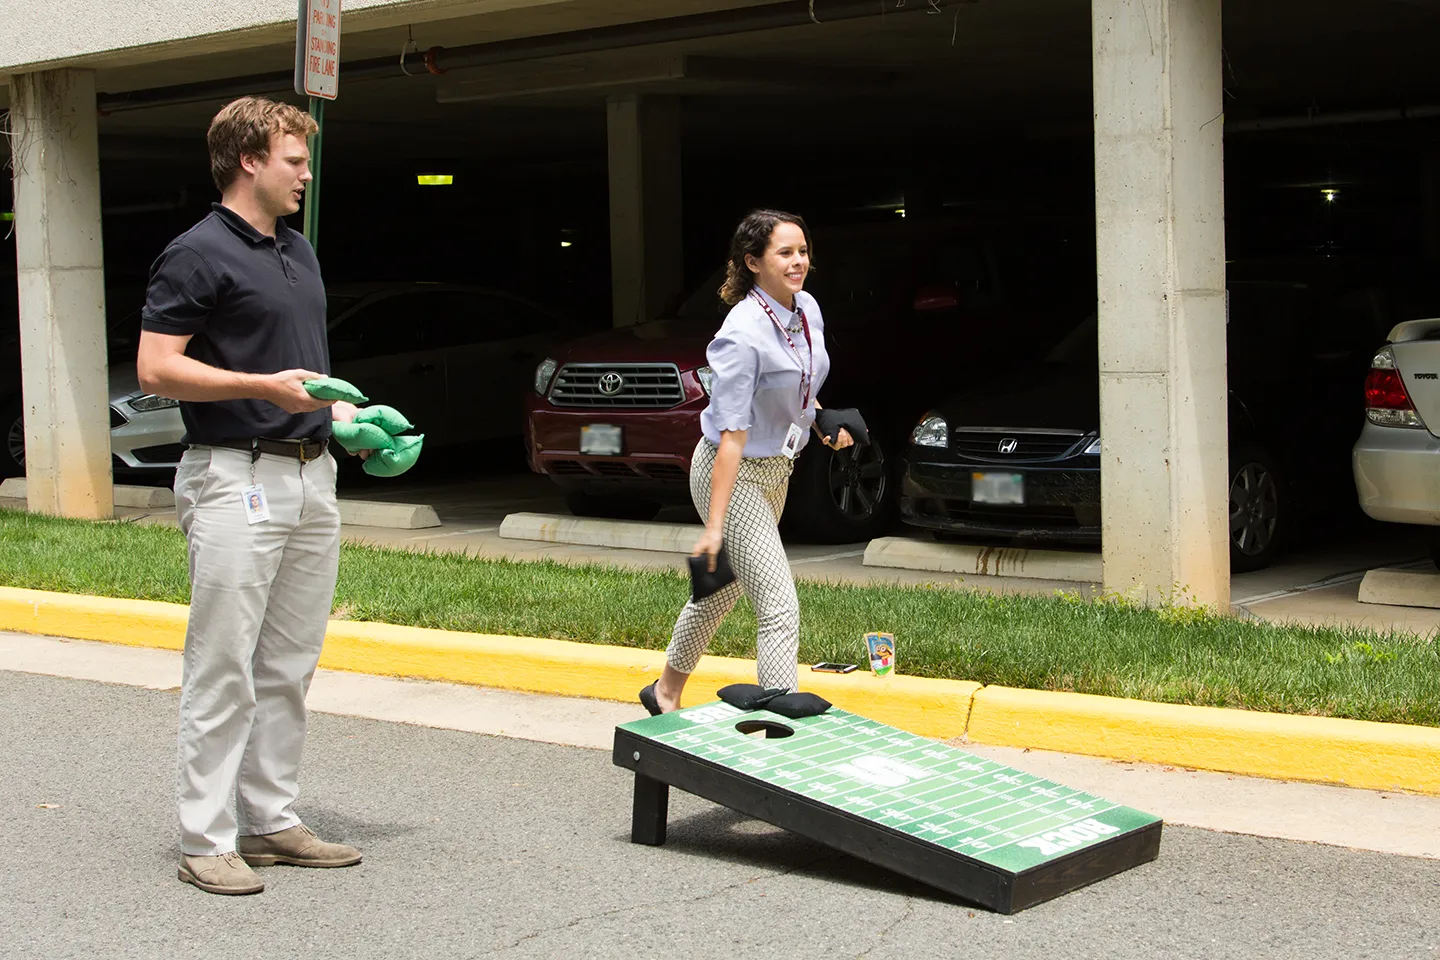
(317, 76)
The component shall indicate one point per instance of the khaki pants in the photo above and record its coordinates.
(260, 599)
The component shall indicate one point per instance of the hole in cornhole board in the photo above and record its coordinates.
(772, 729)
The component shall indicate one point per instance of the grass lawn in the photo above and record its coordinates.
(1049, 643)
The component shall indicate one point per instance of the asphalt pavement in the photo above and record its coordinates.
(480, 846)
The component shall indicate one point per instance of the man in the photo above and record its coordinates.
(234, 324)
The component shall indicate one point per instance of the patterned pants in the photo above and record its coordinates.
(752, 542)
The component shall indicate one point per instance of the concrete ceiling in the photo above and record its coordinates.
(976, 66)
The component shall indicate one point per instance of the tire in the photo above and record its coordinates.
(842, 496)
(1259, 514)
(583, 504)
(12, 441)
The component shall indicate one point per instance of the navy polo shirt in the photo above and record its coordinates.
(250, 303)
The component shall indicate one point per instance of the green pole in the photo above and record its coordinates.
(312, 192)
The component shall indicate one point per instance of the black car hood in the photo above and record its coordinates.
(1047, 395)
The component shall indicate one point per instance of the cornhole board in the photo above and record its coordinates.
(969, 826)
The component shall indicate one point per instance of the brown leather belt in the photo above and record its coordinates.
(302, 450)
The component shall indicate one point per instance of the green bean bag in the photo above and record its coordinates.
(389, 419)
(333, 388)
(355, 437)
(392, 463)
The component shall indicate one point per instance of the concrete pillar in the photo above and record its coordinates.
(646, 263)
(1160, 231)
(62, 293)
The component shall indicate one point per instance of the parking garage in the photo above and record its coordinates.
(500, 183)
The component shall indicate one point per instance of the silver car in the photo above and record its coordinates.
(1397, 458)
(145, 431)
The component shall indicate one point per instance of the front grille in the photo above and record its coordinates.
(667, 471)
(1019, 518)
(641, 385)
(117, 419)
(165, 453)
(567, 468)
(1029, 446)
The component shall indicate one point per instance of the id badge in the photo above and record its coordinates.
(791, 447)
(257, 508)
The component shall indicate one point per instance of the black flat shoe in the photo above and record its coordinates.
(647, 697)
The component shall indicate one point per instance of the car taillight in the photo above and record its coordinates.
(1387, 402)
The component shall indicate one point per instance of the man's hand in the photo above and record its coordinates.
(708, 546)
(841, 442)
(286, 390)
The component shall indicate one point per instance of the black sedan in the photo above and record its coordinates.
(1019, 458)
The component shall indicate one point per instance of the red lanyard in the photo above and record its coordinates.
(809, 378)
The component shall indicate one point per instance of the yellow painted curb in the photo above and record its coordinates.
(136, 623)
(1355, 753)
(1381, 756)
(931, 708)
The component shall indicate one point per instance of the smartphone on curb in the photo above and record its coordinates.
(835, 667)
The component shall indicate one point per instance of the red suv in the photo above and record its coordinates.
(614, 417)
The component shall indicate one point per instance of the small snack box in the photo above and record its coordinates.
(881, 648)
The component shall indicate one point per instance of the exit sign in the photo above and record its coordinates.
(317, 49)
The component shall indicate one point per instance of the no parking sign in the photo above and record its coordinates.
(317, 49)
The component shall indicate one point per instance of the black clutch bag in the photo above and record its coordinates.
(831, 419)
(703, 582)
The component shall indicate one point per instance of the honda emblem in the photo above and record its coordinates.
(1008, 445)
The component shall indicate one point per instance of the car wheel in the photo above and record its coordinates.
(611, 508)
(12, 453)
(841, 496)
(1257, 510)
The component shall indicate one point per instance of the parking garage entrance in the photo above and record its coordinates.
(536, 202)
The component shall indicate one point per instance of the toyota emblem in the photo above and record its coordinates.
(611, 383)
(1008, 445)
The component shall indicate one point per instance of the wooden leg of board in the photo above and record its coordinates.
(652, 804)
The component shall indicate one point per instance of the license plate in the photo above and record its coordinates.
(600, 440)
(1006, 488)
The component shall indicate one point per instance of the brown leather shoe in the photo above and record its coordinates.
(227, 874)
(298, 847)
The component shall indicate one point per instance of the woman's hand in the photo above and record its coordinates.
(840, 442)
(708, 546)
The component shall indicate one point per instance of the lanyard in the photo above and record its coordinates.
(809, 378)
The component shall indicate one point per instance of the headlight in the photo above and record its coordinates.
(706, 376)
(1094, 449)
(150, 402)
(544, 374)
(932, 431)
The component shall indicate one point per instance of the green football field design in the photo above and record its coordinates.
(936, 793)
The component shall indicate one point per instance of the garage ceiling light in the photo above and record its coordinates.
(434, 179)
(1330, 195)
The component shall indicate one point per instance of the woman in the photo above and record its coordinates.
(770, 361)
